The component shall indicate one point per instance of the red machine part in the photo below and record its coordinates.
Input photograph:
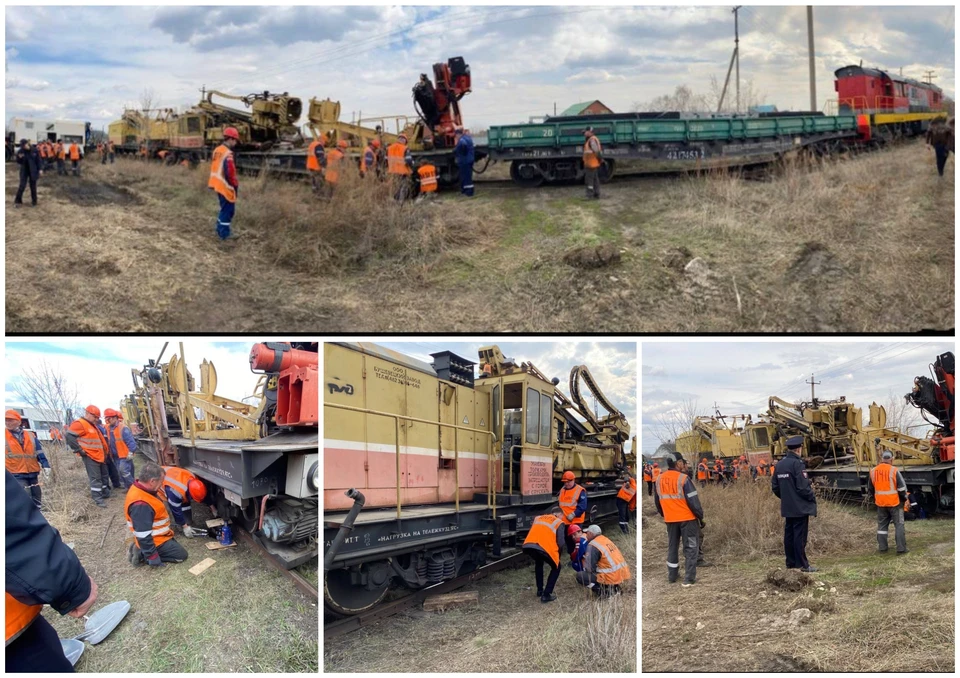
(298, 381)
(439, 104)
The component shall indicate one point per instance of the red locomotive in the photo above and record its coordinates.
(870, 90)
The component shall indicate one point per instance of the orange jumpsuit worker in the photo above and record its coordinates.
(400, 167)
(84, 438)
(626, 497)
(604, 568)
(573, 503)
(25, 457)
(149, 520)
(543, 542)
(223, 180)
(316, 161)
(677, 502)
(648, 479)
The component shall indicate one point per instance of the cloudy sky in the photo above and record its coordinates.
(739, 377)
(100, 368)
(612, 364)
(523, 59)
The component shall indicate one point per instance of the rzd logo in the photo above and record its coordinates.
(346, 388)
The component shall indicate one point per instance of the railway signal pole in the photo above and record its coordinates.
(736, 48)
(928, 77)
(813, 397)
(813, 70)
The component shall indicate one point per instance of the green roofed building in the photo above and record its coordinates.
(587, 108)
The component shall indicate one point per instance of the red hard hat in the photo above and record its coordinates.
(94, 410)
(197, 490)
(573, 529)
(342, 143)
(110, 413)
(568, 475)
(656, 464)
(375, 143)
(12, 414)
(231, 133)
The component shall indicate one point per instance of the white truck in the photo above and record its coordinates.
(68, 131)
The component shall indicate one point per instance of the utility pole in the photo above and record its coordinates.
(813, 70)
(736, 48)
(813, 397)
(928, 77)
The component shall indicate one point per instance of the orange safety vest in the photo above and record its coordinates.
(218, 180)
(428, 179)
(74, 152)
(122, 450)
(58, 151)
(334, 157)
(56, 435)
(647, 478)
(42, 149)
(568, 504)
(91, 440)
(161, 531)
(543, 535)
(162, 154)
(363, 161)
(312, 163)
(701, 471)
(19, 617)
(612, 569)
(396, 159)
(591, 151)
(656, 473)
(22, 458)
(672, 500)
(628, 490)
(110, 146)
(884, 479)
(177, 478)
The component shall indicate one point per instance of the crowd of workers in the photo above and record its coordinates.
(35, 159)
(677, 501)
(598, 563)
(40, 568)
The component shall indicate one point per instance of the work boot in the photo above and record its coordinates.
(539, 593)
(688, 584)
(100, 503)
(900, 553)
(809, 569)
(548, 599)
(704, 563)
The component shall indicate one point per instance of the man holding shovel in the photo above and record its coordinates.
(39, 569)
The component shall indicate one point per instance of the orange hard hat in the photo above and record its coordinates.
(402, 137)
(94, 410)
(342, 143)
(656, 464)
(568, 475)
(375, 143)
(231, 133)
(573, 529)
(197, 490)
(12, 414)
(110, 413)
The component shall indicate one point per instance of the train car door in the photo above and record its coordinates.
(418, 441)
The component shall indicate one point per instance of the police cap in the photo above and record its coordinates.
(793, 442)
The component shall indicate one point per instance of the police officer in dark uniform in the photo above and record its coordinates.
(797, 504)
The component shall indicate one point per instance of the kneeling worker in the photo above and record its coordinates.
(604, 568)
(677, 502)
(543, 543)
(180, 486)
(148, 519)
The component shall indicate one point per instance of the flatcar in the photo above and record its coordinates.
(429, 469)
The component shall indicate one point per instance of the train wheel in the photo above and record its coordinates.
(526, 174)
(342, 597)
(606, 171)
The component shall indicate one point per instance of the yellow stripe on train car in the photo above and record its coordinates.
(890, 118)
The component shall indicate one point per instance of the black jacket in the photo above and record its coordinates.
(791, 485)
(29, 161)
(40, 567)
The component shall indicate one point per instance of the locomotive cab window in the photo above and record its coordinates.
(495, 413)
(760, 438)
(546, 415)
(532, 428)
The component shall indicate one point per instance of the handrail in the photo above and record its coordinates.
(456, 451)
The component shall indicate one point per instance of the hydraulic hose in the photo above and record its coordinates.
(345, 527)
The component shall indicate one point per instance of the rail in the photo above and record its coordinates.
(456, 452)
(298, 579)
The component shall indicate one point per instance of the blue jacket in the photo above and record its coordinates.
(463, 152)
(127, 438)
(579, 551)
(41, 457)
(791, 485)
(39, 566)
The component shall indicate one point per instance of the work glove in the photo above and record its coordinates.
(191, 532)
(155, 561)
(571, 516)
(702, 523)
(47, 472)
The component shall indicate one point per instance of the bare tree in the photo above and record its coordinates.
(48, 391)
(148, 101)
(902, 417)
(683, 100)
(671, 424)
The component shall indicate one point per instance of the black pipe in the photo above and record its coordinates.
(345, 527)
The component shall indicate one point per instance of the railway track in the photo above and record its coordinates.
(298, 580)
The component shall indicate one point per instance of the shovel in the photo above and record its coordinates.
(102, 622)
(72, 649)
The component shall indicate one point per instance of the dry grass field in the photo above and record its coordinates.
(241, 615)
(510, 632)
(869, 612)
(859, 244)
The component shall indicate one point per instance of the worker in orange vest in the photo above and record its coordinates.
(592, 159)
(60, 155)
(25, 457)
(316, 161)
(41, 570)
(426, 179)
(400, 167)
(648, 478)
(180, 487)
(149, 521)
(111, 151)
(604, 568)
(56, 436)
(889, 491)
(122, 445)
(371, 159)
(84, 438)
(76, 155)
(573, 501)
(677, 502)
(334, 166)
(626, 500)
(702, 473)
(655, 473)
(223, 180)
(543, 542)
(718, 470)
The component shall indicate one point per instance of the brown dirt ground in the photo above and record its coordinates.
(888, 613)
(861, 244)
(241, 615)
(510, 632)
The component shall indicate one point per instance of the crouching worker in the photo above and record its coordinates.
(180, 486)
(148, 519)
(543, 543)
(604, 568)
(579, 548)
